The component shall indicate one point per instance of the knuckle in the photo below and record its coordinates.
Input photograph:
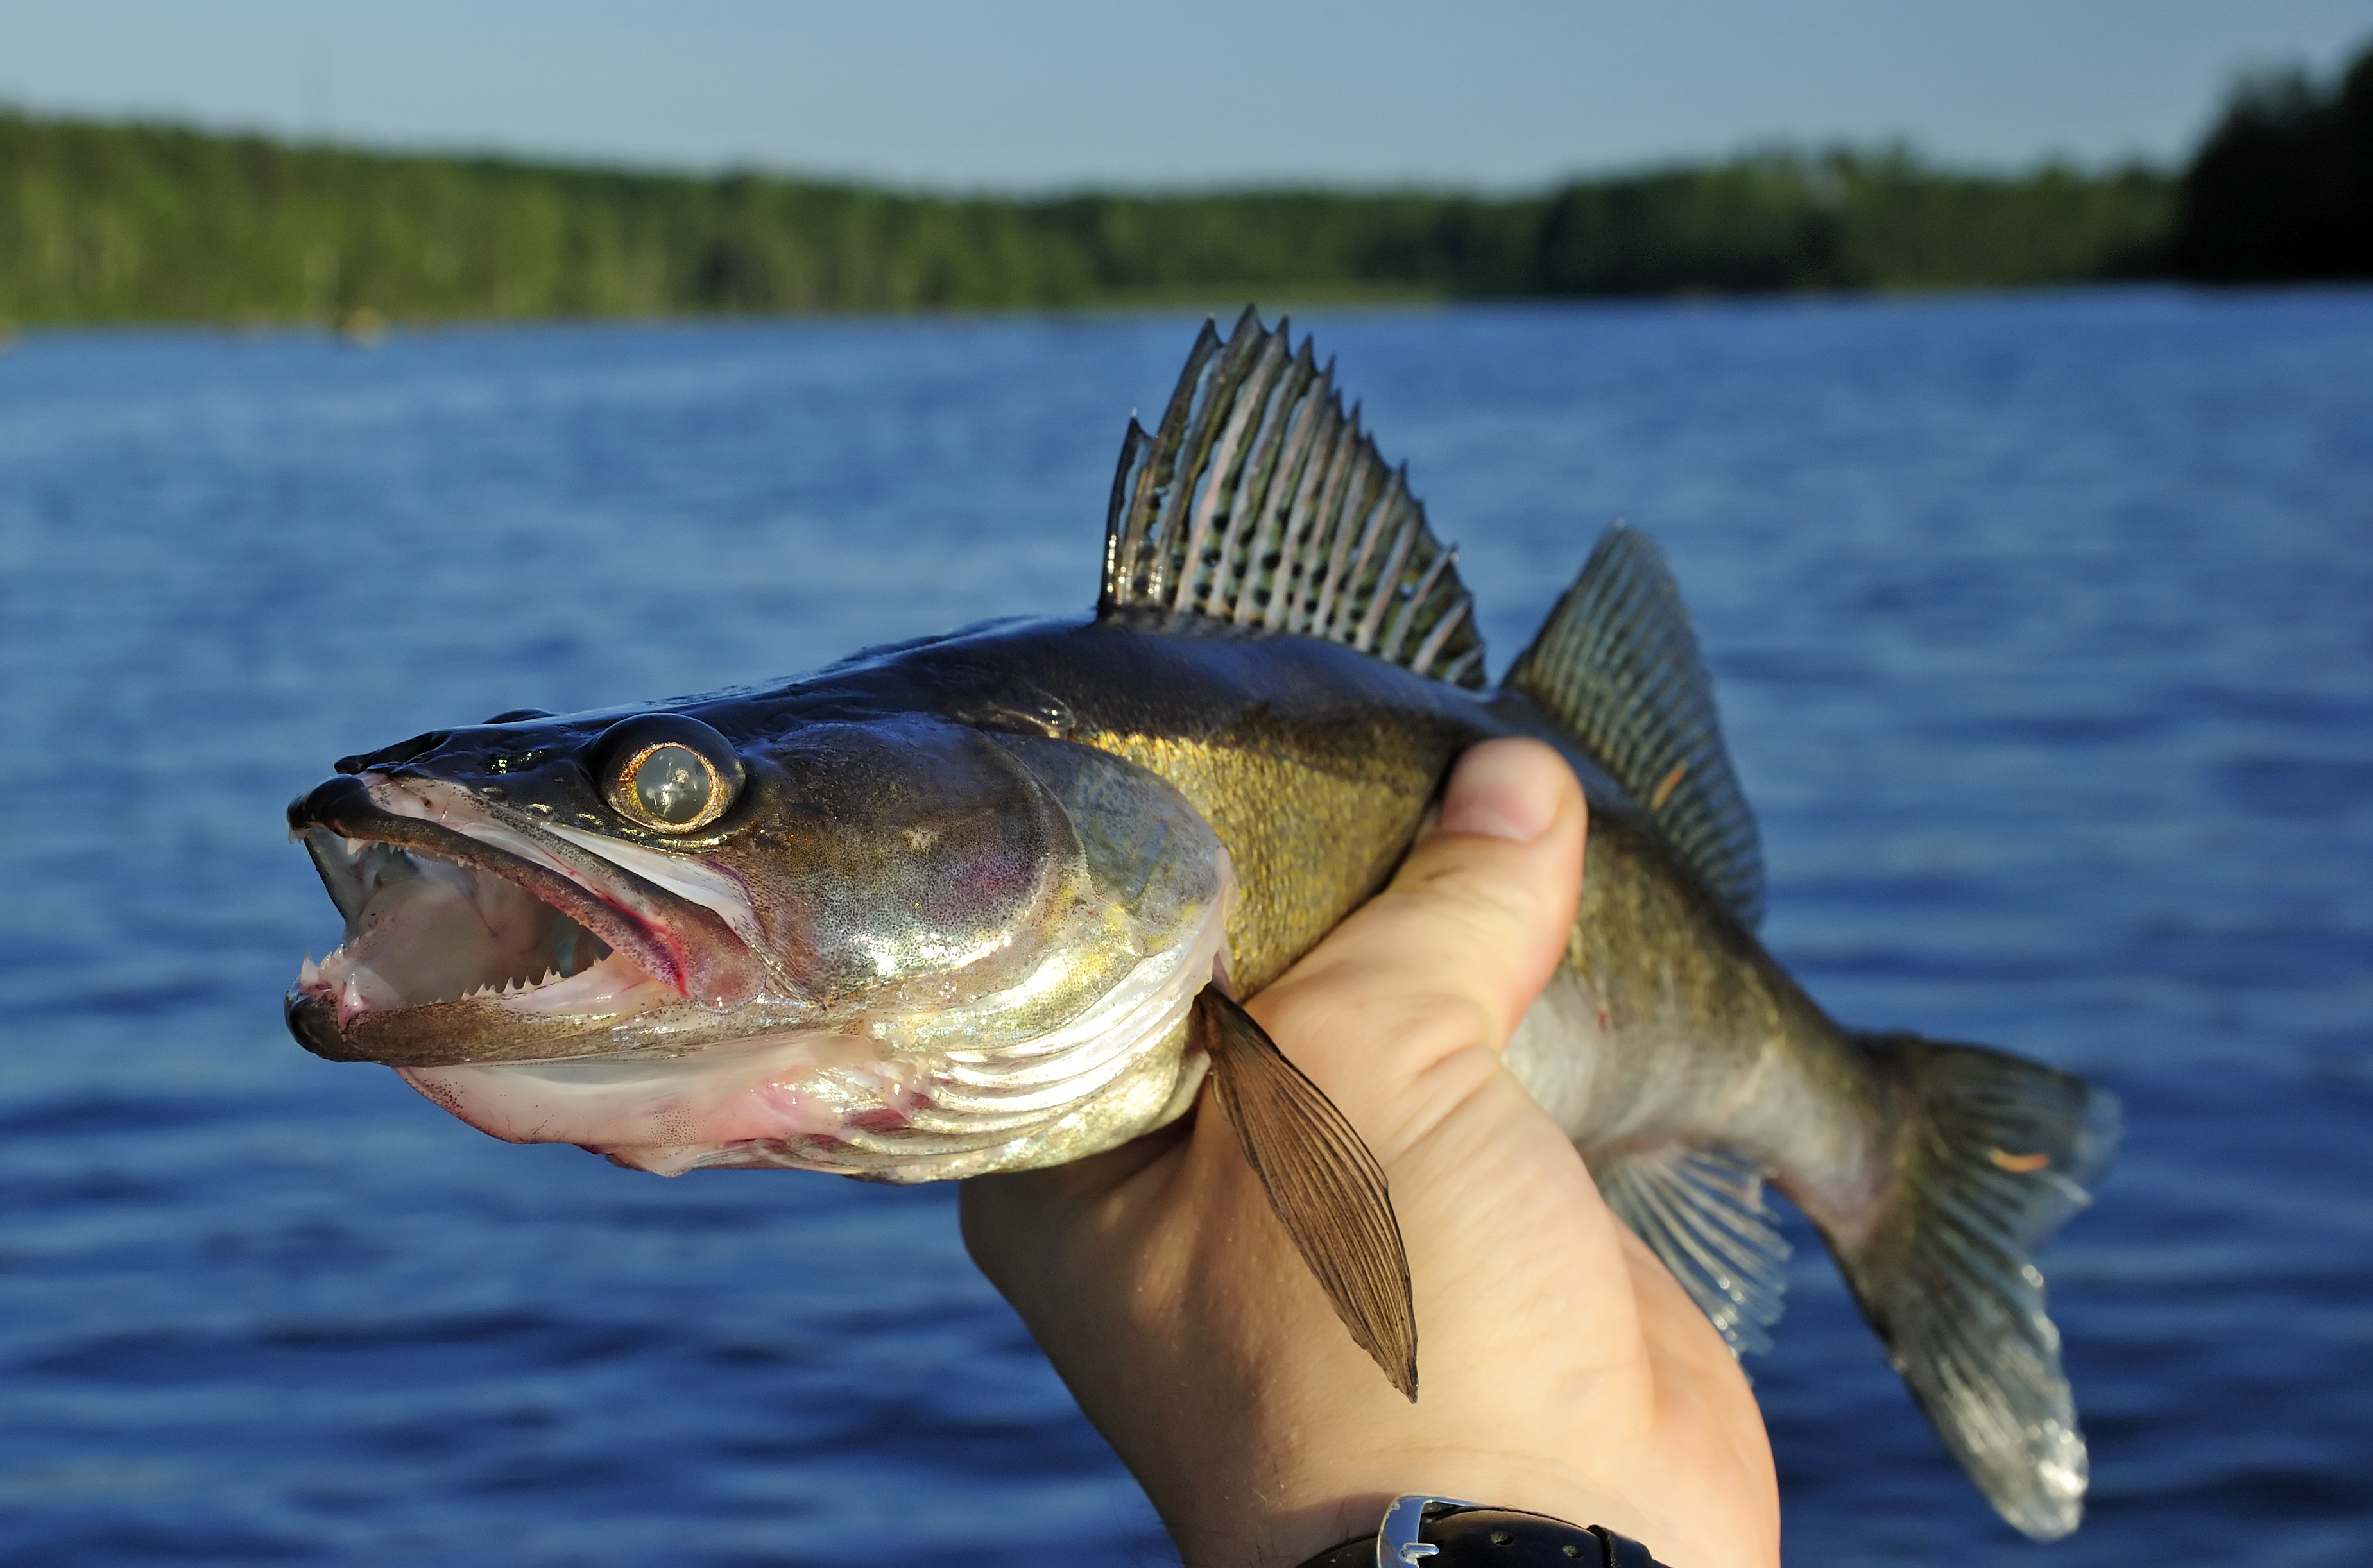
(1443, 1022)
(1484, 901)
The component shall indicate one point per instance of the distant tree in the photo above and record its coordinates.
(126, 222)
(2283, 188)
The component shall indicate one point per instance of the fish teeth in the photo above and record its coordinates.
(310, 975)
(549, 975)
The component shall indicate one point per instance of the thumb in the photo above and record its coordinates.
(1448, 957)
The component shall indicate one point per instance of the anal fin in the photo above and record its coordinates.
(1322, 1182)
(1702, 1211)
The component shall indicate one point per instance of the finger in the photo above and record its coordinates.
(1502, 865)
(1448, 957)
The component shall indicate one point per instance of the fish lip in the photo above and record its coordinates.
(680, 942)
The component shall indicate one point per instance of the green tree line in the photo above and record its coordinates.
(136, 222)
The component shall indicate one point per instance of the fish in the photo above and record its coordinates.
(991, 900)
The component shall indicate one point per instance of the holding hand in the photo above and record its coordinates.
(1563, 1370)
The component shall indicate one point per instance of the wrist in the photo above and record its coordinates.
(1286, 1512)
(1442, 1532)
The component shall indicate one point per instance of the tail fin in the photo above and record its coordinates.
(1996, 1153)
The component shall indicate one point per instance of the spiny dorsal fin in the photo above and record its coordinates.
(1261, 504)
(1618, 664)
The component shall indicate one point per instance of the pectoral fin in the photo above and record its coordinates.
(1322, 1181)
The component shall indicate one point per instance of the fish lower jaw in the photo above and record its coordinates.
(442, 961)
(615, 988)
(736, 1101)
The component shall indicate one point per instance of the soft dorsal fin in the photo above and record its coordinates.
(1260, 503)
(1618, 664)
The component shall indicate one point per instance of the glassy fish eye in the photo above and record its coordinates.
(668, 773)
(671, 785)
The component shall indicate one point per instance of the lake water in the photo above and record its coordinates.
(2044, 632)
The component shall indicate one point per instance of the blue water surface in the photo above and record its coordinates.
(2044, 633)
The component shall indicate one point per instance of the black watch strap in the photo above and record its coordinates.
(1441, 1532)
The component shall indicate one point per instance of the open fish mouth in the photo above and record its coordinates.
(548, 984)
(475, 934)
(424, 929)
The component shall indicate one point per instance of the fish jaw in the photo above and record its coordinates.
(957, 1091)
(670, 1115)
(475, 934)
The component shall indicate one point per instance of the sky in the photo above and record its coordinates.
(1031, 95)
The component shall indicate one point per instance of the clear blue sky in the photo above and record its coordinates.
(1031, 94)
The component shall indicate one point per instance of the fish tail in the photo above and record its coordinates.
(1994, 1153)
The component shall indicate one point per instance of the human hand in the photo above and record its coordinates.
(1562, 1369)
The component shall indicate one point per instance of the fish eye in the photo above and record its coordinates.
(671, 786)
(668, 773)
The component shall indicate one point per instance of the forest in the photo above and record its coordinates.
(2283, 188)
(103, 222)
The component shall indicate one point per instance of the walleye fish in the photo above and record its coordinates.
(983, 902)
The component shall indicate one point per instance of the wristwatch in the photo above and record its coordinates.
(1442, 1532)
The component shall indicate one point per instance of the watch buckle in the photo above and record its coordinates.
(1397, 1545)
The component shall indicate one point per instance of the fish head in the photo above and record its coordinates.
(891, 945)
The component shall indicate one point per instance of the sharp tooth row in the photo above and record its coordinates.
(510, 988)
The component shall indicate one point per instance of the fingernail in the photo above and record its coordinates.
(1502, 790)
